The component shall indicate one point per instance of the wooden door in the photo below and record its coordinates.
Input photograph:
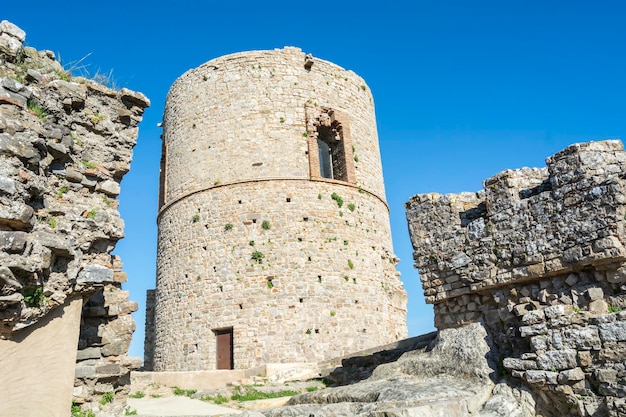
(224, 348)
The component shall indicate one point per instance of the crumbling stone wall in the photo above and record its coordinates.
(65, 144)
(538, 258)
(252, 239)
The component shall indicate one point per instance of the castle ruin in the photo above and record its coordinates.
(65, 323)
(274, 240)
(539, 259)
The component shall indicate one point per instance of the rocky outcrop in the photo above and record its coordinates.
(538, 257)
(65, 144)
(451, 377)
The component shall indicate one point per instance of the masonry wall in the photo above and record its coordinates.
(538, 258)
(65, 144)
(250, 236)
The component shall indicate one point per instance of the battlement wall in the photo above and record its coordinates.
(538, 259)
(525, 224)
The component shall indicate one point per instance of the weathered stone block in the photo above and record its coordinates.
(17, 215)
(613, 332)
(595, 293)
(7, 185)
(17, 146)
(533, 317)
(13, 242)
(541, 377)
(582, 338)
(85, 372)
(534, 330)
(109, 187)
(571, 375)
(95, 273)
(606, 375)
(559, 310)
(519, 364)
(12, 30)
(88, 353)
(584, 359)
(598, 307)
(557, 359)
(109, 369)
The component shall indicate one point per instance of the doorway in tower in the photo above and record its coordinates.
(224, 348)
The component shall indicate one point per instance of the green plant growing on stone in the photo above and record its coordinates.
(614, 309)
(138, 394)
(75, 138)
(89, 165)
(251, 243)
(251, 394)
(319, 196)
(130, 412)
(195, 218)
(52, 222)
(282, 120)
(228, 226)
(332, 314)
(350, 264)
(337, 198)
(91, 214)
(351, 206)
(183, 392)
(305, 134)
(97, 118)
(257, 256)
(107, 397)
(77, 412)
(308, 331)
(37, 110)
(106, 201)
(356, 158)
(347, 278)
(218, 399)
(265, 225)
(270, 284)
(63, 190)
(34, 297)
(363, 87)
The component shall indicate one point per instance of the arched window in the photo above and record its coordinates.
(330, 148)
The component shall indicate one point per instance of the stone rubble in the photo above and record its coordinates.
(65, 144)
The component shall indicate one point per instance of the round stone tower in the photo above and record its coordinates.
(274, 239)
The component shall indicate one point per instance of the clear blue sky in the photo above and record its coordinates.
(463, 89)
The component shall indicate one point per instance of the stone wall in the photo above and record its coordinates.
(148, 343)
(538, 258)
(65, 144)
(252, 237)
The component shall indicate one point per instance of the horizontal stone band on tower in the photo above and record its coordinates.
(525, 224)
